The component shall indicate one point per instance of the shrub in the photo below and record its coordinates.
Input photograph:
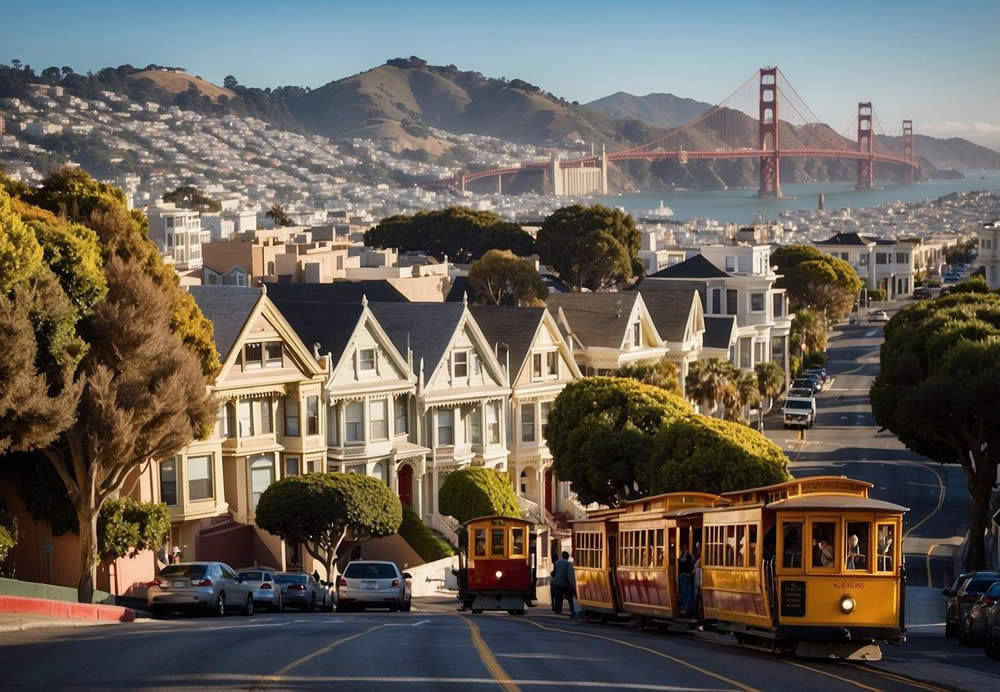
(126, 525)
(878, 294)
(477, 492)
(424, 541)
(816, 359)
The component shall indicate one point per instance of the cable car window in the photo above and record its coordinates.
(517, 541)
(480, 542)
(857, 552)
(730, 546)
(885, 539)
(752, 545)
(497, 542)
(791, 540)
(741, 546)
(659, 547)
(823, 533)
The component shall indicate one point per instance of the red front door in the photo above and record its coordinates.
(406, 485)
(548, 491)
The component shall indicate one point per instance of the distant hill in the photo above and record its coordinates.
(949, 153)
(660, 110)
(176, 82)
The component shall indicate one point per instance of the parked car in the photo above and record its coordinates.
(973, 629)
(373, 584)
(799, 413)
(991, 637)
(964, 592)
(808, 382)
(303, 591)
(818, 372)
(208, 586)
(921, 293)
(800, 393)
(266, 591)
(879, 316)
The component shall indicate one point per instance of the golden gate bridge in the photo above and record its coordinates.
(785, 127)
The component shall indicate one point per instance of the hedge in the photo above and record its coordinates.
(477, 492)
(424, 541)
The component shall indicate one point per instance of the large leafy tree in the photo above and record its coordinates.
(938, 388)
(600, 432)
(713, 456)
(464, 235)
(589, 247)
(322, 510)
(477, 492)
(502, 278)
(817, 280)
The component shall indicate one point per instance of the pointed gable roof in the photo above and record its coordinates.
(695, 267)
(515, 327)
(596, 319)
(228, 308)
(719, 331)
(427, 328)
(328, 324)
(670, 306)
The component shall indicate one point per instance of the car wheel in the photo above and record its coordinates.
(950, 630)
(247, 609)
(342, 608)
(312, 604)
(220, 606)
(407, 605)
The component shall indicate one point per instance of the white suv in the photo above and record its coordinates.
(799, 412)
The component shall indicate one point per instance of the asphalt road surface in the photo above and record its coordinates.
(432, 648)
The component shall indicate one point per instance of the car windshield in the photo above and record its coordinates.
(801, 392)
(799, 403)
(994, 591)
(370, 570)
(290, 578)
(252, 576)
(183, 570)
(978, 586)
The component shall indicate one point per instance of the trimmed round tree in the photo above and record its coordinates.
(816, 279)
(710, 455)
(600, 432)
(320, 510)
(477, 492)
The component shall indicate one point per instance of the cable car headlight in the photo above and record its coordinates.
(847, 605)
(499, 575)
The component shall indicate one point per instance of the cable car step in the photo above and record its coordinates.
(498, 603)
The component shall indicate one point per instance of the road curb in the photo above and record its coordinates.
(21, 605)
(44, 624)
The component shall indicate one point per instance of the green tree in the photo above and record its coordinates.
(9, 536)
(709, 383)
(20, 253)
(713, 456)
(770, 383)
(600, 433)
(125, 527)
(190, 197)
(461, 234)
(500, 277)
(589, 247)
(279, 216)
(808, 334)
(816, 280)
(321, 510)
(477, 491)
(938, 388)
(744, 395)
(665, 375)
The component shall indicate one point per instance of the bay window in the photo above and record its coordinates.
(261, 476)
(168, 481)
(378, 419)
(312, 415)
(527, 422)
(445, 418)
(245, 418)
(199, 477)
(493, 421)
(354, 430)
(291, 416)
(399, 410)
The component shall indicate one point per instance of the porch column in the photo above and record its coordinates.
(418, 494)
(434, 467)
(540, 484)
(341, 424)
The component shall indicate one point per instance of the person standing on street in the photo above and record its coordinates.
(563, 585)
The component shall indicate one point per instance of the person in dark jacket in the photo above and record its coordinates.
(563, 585)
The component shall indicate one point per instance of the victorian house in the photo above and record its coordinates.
(680, 321)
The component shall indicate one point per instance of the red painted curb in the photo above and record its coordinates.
(64, 609)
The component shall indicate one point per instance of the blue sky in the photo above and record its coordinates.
(934, 62)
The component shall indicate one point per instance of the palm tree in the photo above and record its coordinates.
(664, 375)
(742, 396)
(278, 214)
(709, 382)
(770, 382)
(808, 327)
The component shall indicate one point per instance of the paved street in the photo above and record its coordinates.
(431, 648)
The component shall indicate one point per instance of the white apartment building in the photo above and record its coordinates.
(884, 263)
(989, 253)
(178, 233)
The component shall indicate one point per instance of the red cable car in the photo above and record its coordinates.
(496, 564)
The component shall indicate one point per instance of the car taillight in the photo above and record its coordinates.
(201, 582)
(297, 587)
(969, 598)
(987, 601)
(342, 582)
(395, 582)
(265, 586)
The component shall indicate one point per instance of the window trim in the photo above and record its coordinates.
(211, 477)
(528, 425)
(455, 364)
(253, 364)
(372, 403)
(312, 415)
(763, 301)
(289, 416)
(373, 370)
(359, 406)
(175, 461)
(270, 362)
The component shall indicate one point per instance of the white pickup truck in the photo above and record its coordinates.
(799, 412)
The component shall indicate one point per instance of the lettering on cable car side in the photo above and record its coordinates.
(859, 585)
(793, 599)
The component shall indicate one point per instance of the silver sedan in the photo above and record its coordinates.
(206, 586)
(373, 584)
(303, 591)
(266, 591)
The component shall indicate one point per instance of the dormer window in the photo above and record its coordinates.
(460, 364)
(636, 335)
(272, 354)
(536, 366)
(253, 356)
(552, 363)
(366, 361)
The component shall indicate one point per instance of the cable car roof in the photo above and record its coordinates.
(491, 517)
(836, 502)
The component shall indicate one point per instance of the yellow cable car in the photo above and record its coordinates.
(496, 564)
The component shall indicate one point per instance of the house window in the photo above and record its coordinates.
(445, 427)
(378, 419)
(881, 258)
(536, 365)
(266, 417)
(168, 481)
(476, 426)
(460, 364)
(730, 264)
(902, 258)
(332, 429)
(493, 421)
(636, 335)
(863, 261)
(399, 411)
(354, 424)
(226, 420)
(779, 304)
(757, 302)
(778, 350)
(199, 477)
(366, 360)
(527, 422)
(732, 301)
(544, 409)
(245, 418)
(745, 352)
(552, 363)
(261, 476)
(272, 354)
(253, 356)
(758, 352)
(717, 301)
(312, 415)
(291, 416)
(291, 466)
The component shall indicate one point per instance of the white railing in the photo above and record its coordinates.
(437, 523)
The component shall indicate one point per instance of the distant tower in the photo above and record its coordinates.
(908, 150)
(767, 123)
(822, 202)
(866, 180)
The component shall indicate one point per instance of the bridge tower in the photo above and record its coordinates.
(908, 151)
(770, 183)
(866, 180)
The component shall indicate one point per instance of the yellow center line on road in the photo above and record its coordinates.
(703, 671)
(489, 660)
(899, 678)
(276, 676)
(832, 675)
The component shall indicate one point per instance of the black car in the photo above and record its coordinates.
(963, 593)
(921, 293)
(809, 381)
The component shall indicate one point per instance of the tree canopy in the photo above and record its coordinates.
(126, 527)
(477, 491)
(500, 277)
(190, 197)
(589, 247)
(665, 375)
(464, 235)
(817, 280)
(938, 388)
(321, 510)
(600, 432)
